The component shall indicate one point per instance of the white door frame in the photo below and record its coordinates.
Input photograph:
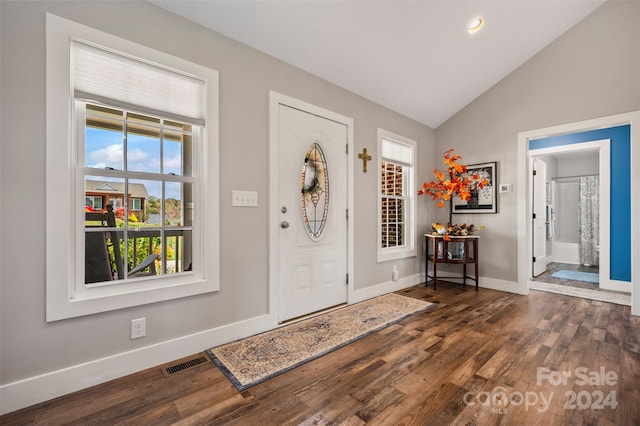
(602, 147)
(275, 100)
(541, 215)
(524, 210)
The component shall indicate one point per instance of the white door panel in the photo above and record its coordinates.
(312, 268)
(540, 217)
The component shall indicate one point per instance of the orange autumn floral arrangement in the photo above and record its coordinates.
(455, 181)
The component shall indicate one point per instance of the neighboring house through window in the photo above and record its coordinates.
(396, 198)
(99, 194)
(145, 128)
(129, 157)
(93, 202)
(136, 205)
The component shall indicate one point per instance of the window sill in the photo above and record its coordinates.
(393, 254)
(108, 298)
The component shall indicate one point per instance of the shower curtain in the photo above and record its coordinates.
(589, 219)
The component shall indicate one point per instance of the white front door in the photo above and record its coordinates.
(312, 212)
(540, 259)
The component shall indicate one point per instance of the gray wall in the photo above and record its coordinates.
(30, 346)
(593, 70)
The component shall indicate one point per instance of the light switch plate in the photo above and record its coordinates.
(244, 199)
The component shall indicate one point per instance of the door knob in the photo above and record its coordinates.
(284, 224)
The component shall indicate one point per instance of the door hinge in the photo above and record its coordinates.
(534, 258)
(347, 278)
(347, 213)
(347, 148)
(534, 172)
(534, 215)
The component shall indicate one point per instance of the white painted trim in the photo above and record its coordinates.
(488, 282)
(409, 250)
(33, 390)
(411, 280)
(276, 99)
(635, 212)
(63, 299)
(603, 147)
(500, 285)
(43, 387)
(386, 287)
(524, 204)
(585, 293)
(617, 285)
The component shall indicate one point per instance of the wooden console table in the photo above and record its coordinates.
(457, 250)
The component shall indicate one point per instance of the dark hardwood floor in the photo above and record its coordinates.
(483, 358)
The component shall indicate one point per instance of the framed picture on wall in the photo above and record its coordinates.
(482, 200)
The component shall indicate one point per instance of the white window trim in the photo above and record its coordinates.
(409, 249)
(136, 201)
(62, 299)
(93, 200)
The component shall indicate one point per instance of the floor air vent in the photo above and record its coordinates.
(185, 364)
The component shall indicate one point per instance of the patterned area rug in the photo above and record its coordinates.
(255, 359)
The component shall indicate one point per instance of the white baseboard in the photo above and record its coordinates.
(391, 286)
(616, 285)
(490, 283)
(502, 285)
(33, 390)
(359, 295)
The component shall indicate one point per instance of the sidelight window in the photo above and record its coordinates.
(396, 198)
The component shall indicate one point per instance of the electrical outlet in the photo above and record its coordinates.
(138, 328)
(395, 273)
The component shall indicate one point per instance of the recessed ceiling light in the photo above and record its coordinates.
(475, 25)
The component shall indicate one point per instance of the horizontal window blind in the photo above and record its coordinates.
(131, 83)
(396, 152)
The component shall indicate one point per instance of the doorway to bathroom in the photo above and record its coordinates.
(619, 240)
(571, 221)
(566, 202)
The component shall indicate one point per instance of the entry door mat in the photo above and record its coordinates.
(566, 274)
(255, 359)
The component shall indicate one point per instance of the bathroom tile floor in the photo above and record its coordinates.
(555, 266)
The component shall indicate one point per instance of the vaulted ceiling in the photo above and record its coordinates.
(414, 57)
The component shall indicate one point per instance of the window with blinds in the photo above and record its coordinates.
(127, 190)
(395, 199)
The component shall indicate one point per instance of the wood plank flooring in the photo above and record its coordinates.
(485, 358)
